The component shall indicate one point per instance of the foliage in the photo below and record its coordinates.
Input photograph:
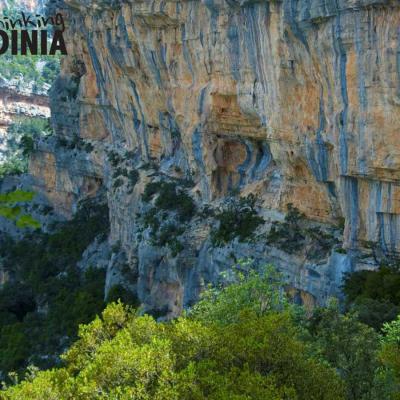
(31, 126)
(114, 158)
(168, 235)
(30, 69)
(50, 70)
(374, 295)
(293, 235)
(75, 142)
(21, 137)
(289, 234)
(133, 176)
(374, 312)
(392, 332)
(12, 166)
(249, 290)
(163, 234)
(123, 175)
(349, 346)
(12, 207)
(124, 356)
(54, 295)
(171, 202)
(171, 197)
(149, 191)
(238, 218)
(390, 353)
(242, 341)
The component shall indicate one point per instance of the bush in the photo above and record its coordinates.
(168, 236)
(118, 183)
(133, 177)
(239, 219)
(163, 234)
(114, 158)
(350, 347)
(170, 198)
(288, 235)
(150, 190)
(293, 236)
(249, 290)
(151, 220)
(375, 295)
(390, 357)
(12, 166)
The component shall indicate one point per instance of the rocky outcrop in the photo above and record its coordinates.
(294, 101)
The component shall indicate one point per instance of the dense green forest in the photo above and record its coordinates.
(243, 341)
(45, 283)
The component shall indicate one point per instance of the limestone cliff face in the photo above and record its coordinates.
(295, 101)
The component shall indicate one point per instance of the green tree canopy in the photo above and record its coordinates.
(11, 207)
(254, 351)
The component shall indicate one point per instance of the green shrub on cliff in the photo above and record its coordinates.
(12, 166)
(173, 209)
(119, 293)
(170, 197)
(252, 291)
(238, 218)
(293, 235)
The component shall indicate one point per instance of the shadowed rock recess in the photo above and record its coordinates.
(173, 105)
